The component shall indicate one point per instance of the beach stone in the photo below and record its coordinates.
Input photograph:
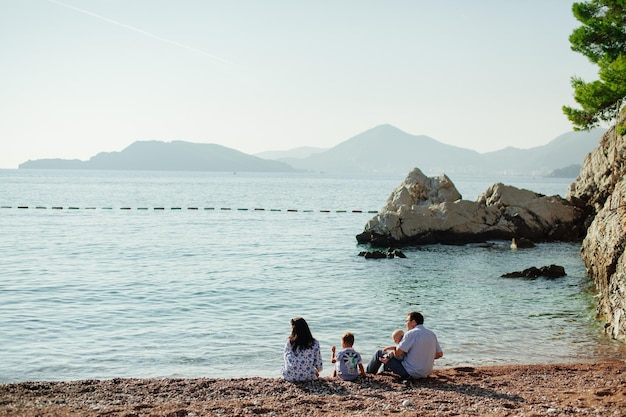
(498, 391)
(428, 210)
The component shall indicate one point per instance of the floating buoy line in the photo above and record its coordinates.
(192, 208)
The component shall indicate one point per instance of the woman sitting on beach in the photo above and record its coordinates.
(303, 360)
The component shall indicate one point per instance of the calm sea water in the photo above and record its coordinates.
(110, 286)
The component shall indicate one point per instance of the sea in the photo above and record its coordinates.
(120, 274)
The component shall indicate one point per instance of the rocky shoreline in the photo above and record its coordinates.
(429, 210)
(597, 389)
(601, 187)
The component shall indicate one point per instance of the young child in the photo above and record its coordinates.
(397, 336)
(348, 364)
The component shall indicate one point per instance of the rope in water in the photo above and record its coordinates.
(181, 208)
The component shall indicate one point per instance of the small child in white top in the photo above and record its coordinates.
(397, 336)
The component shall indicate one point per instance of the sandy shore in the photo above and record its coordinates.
(597, 389)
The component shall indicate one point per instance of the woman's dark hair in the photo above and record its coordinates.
(301, 337)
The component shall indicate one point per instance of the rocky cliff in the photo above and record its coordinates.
(601, 188)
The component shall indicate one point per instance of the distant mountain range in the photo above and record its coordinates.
(384, 149)
(168, 156)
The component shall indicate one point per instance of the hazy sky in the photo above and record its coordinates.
(78, 77)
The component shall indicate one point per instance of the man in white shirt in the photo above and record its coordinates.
(414, 356)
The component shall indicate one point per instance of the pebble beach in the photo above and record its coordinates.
(595, 389)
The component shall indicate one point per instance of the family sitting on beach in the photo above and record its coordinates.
(411, 356)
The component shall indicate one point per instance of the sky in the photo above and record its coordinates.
(79, 77)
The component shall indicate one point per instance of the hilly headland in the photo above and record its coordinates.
(382, 150)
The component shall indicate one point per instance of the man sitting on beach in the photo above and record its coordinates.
(414, 356)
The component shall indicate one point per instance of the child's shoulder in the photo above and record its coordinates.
(349, 351)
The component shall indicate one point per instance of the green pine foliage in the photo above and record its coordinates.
(602, 39)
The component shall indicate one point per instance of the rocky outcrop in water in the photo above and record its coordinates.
(601, 187)
(379, 254)
(426, 210)
(548, 271)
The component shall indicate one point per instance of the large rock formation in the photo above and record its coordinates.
(430, 210)
(601, 186)
(425, 210)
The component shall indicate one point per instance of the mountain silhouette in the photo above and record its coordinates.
(168, 156)
(386, 149)
(564, 151)
(382, 150)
